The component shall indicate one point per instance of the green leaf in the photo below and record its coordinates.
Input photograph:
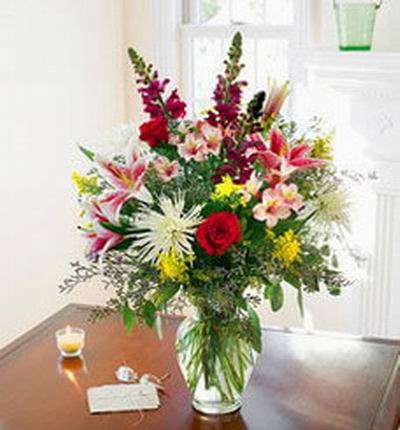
(286, 224)
(165, 294)
(255, 335)
(125, 244)
(241, 302)
(87, 152)
(149, 313)
(128, 317)
(276, 297)
(325, 250)
(114, 228)
(292, 280)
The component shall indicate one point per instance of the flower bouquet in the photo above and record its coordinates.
(215, 213)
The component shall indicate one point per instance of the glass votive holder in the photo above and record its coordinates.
(70, 341)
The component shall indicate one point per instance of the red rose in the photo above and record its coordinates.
(218, 232)
(154, 131)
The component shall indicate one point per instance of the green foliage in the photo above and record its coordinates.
(129, 317)
(87, 152)
(274, 293)
(255, 330)
(149, 310)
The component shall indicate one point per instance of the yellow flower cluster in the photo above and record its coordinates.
(86, 185)
(173, 266)
(322, 147)
(225, 189)
(287, 248)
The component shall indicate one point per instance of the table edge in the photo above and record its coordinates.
(71, 307)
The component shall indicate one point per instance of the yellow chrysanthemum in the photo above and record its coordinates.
(86, 185)
(287, 248)
(322, 147)
(225, 189)
(173, 266)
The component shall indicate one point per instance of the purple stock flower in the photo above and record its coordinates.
(227, 101)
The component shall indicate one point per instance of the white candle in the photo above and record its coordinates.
(70, 341)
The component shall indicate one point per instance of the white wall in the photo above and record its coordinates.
(61, 79)
(138, 33)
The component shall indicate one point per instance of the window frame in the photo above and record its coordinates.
(173, 54)
(297, 35)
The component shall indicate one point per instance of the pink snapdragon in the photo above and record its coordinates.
(166, 169)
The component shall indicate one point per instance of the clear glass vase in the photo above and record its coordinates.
(216, 366)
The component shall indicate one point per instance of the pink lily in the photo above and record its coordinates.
(276, 98)
(281, 159)
(291, 197)
(166, 169)
(272, 208)
(127, 179)
(101, 240)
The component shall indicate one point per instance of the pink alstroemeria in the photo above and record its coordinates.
(291, 197)
(193, 148)
(272, 208)
(251, 187)
(101, 240)
(128, 180)
(166, 169)
(213, 138)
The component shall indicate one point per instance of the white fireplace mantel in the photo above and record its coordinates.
(372, 83)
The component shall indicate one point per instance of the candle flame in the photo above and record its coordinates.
(68, 329)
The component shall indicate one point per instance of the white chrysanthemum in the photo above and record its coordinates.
(332, 208)
(170, 230)
(121, 140)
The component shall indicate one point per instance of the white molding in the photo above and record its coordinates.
(372, 83)
(256, 31)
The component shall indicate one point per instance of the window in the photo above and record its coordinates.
(270, 28)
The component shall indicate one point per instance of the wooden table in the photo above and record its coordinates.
(301, 382)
